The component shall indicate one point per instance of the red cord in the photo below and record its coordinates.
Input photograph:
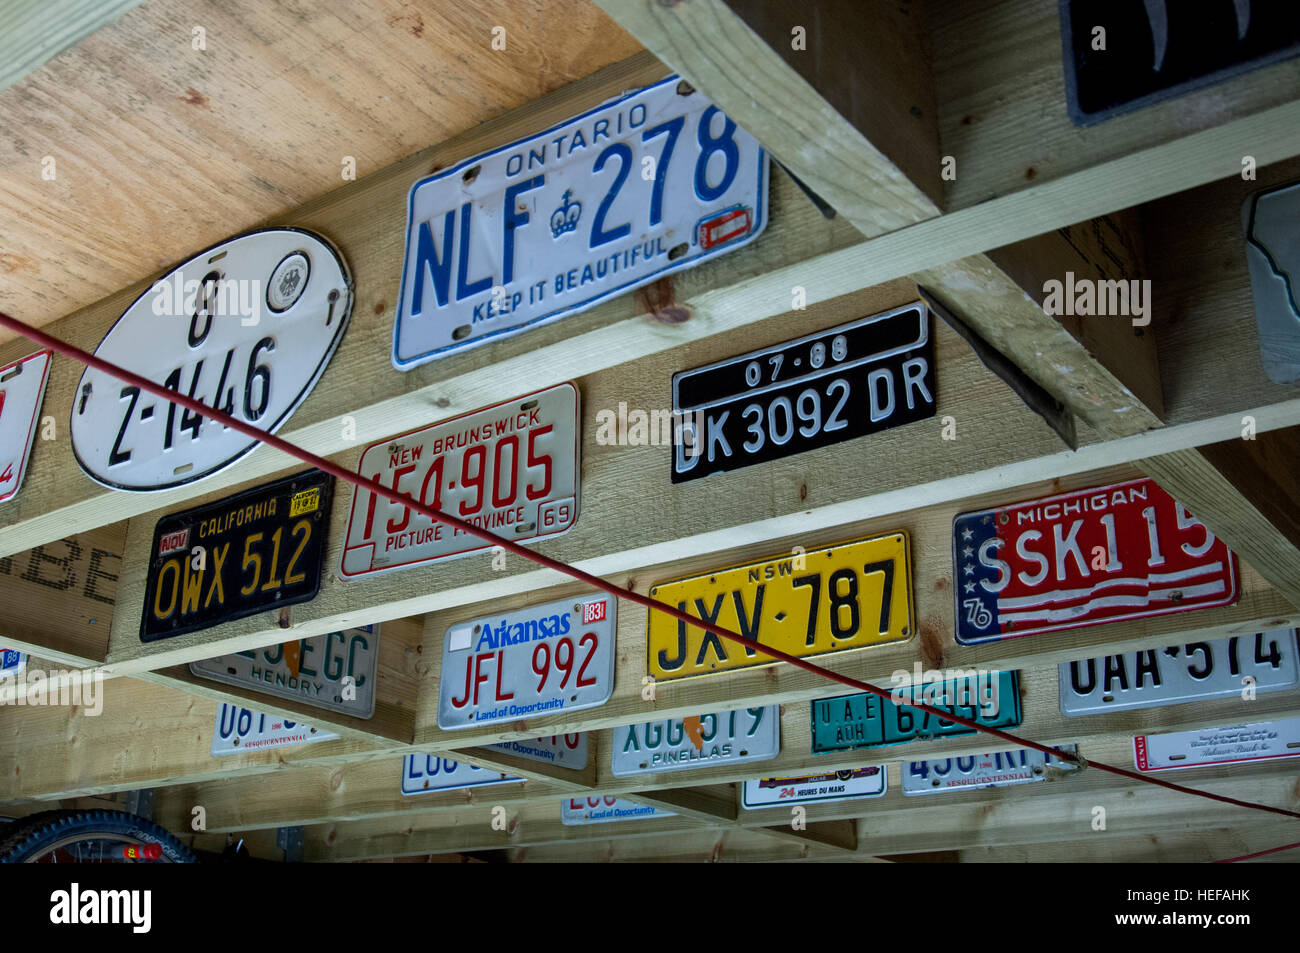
(1259, 853)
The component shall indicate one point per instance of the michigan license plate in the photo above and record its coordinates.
(257, 550)
(999, 769)
(701, 741)
(847, 596)
(605, 808)
(1263, 741)
(846, 785)
(241, 729)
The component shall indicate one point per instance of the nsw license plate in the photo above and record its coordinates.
(1263, 741)
(1221, 668)
(511, 468)
(606, 808)
(845, 382)
(846, 785)
(999, 769)
(335, 671)
(701, 741)
(258, 550)
(847, 596)
(1107, 554)
(241, 729)
(648, 184)
(543, 659)
(867, 721)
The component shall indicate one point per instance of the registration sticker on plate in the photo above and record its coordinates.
(511, 468)
(606, 808)
(1222, 668)
(540, 660)
(240, 729)
(845, 382)
(999, 769)
(700, 741)
(1262, 741)
(236, 557)
(847, 596)
(846, 785)
(425, 774)
(651, 183)
(335, 671)
(1106, 554)
(22, 389)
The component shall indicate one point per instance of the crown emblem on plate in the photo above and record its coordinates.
(565, 218)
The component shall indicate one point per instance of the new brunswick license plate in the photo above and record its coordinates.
(240, 729)
(257, 550)
(999, 769)
(867, 721)
(511, 468)
(606, 808)
(845, 382)
(844, 785)
(847, 596)
(1107, 554)
(727, 737)
(1263, 741)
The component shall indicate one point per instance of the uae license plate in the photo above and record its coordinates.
(999, 769)
(511, 468)
(700, 741)
(1107, 554)
(846, 785)
(847, 596)
(1223, 668)
(334, 671)
(22, 390)
(258, 550)
(557, 657)
(1263, 741)
(868, 721)
(605, 808)
(845, 382)
(651, 183)
(241, 729)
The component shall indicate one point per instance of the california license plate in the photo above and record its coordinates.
(867, 721)
(605, 808)
(845, 382)
(241, 729)
(999, 769)
(511, 468)
(258, 550)
(1107, 554)
(847, 596)
(846, 785)
(22, 389)
(701, 741)
(1263, 741)
(651, 183)
(1235, 666)
(335, 671)
(543, 659)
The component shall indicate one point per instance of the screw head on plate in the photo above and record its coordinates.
(288, 281)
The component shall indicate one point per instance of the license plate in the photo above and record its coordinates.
(702, 741)
(603, 809)
(867, 721)
(648, 184)
(1271, 222)
(1263, 741)
(511, 468)
(567, 751)
(1107, 554)
(335, 671)
(849, 381)
(847, 596)
(844, 785)
(999, 769)
(258, 550)
(22, 389)
(1222, 668)
(426, 774)
(12, 662)
(240, 729)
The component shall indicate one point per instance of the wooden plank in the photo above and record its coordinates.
(703, 847)
(1170, 847)
(32, 32)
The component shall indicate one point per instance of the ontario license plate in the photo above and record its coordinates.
(847, 596)
(241, 729)
(846, 785)
(651, 183)
(606, 808)
(511, 468)
(867, 721)
(1222, 668)
(257, 550)
(1107, 554)
(701, 741)
(845, 382)
(22, 389)
(1263, 741)
(999, 769)
(335, 671)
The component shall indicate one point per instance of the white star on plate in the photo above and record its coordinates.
(968, 569)
(967, 551)
(966, 534)
(970, 587)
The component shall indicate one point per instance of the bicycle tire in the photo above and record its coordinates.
(29, 837)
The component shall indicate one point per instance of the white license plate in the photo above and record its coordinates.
(846, 785)
(1262, 741)
(648, 184)
(566, 751)
(604, 809)
(241, 729)
(334, 671)
(725, 737)
(1222, 668)
(22, 389)
(999, 769)
(425, 774)
(511, 468)
(12, 662)
(540, 660)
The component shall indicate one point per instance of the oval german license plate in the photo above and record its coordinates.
(701, 741)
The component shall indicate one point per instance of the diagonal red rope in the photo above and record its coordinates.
(342, 473)
(1259, 853)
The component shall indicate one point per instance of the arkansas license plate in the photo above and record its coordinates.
(240, 729)
(701, 741)
(844, 785)
(1262, 741)
(257, 550)
(1107, 554)
(543, 659)
(511, 468)
(847, 596)
(845, 382)
(651, 183)
(22, 389)
(868, 721)
(999, 769)
(566, 751)
(1222, 668)
(335, 671)
(606, 808)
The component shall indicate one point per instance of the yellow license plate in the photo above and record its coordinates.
(847, 596)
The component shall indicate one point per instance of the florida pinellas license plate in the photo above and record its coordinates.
(257, 550)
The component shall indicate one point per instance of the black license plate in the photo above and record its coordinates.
(845, 382)
(258, 550)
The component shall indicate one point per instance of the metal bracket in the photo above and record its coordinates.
(140, 803)
(290, 840)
